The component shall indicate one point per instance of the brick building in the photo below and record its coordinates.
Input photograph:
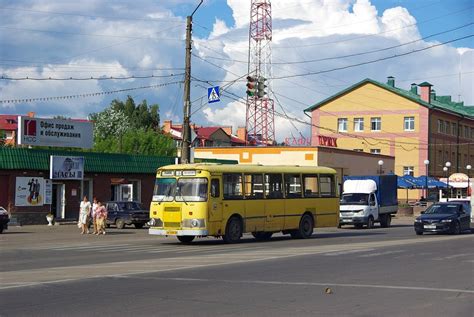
(106, 176)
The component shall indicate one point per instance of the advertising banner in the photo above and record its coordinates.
(66, 167)
(29, 191)
(55, 132)
(48, 192)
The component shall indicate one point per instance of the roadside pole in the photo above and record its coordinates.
(186, 131)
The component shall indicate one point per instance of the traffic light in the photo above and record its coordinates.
(261, 87)
(251, 86)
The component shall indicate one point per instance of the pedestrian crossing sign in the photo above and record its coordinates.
(213, 94)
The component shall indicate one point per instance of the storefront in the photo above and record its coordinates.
(28, 193)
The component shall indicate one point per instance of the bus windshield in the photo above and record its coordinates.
(191, 189)
(164, 189)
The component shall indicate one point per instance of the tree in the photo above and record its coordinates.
(3, 138)
(129, 128)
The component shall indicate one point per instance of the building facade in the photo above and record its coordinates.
(415, 126)
(345, 162)
(106, 176)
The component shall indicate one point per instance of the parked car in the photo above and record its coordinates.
(447, 217)
(122, 213)
(4, 219)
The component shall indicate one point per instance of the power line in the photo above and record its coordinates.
(399, 144)
(93, 94)
(89, 34)
(87, 78)
(350, 55)
(329, 112)
(276, 47)
(82, 66)
(161, 20)
(375, 60)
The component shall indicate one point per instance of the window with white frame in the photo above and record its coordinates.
(409, 124)
(342, 124)
(454, 129)
(448, 127)
(376, 124)
(408, 170)
(375, 151)
(358, 124)
(440, 126)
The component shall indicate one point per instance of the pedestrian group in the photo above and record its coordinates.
(95, 215)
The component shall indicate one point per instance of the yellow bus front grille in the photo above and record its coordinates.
(172, 208)
(172, 224)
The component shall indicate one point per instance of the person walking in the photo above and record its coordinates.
(101, 218)
(84, 211)
(93, 218)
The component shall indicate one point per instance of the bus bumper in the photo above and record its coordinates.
(182, 232)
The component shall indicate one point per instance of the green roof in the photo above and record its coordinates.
(442, 103)
(35, 159)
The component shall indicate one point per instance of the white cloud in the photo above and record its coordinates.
(218, 28)
(146, 61)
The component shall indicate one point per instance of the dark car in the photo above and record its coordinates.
(4, 219)
(447, 217)
(122, 213)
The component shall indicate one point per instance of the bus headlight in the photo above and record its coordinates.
(155, 222)
(194, 223)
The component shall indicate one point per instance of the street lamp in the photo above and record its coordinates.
(380, 162)
(468, 192)
(427, 162)
(445, 169)
(448, 165)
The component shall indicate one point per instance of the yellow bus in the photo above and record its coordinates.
(201, 200)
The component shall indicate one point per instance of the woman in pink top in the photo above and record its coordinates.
(100, 218)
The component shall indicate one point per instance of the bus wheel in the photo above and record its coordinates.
(305, 229)
(262, 236)
(185, 239)
(233, 230)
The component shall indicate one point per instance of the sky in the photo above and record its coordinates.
(109, 45)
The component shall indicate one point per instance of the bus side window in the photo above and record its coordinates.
(233, 186)
(293, 186)
(253, 186)
(327, 185)
(215, 191)
(273, 186)
(311, 188)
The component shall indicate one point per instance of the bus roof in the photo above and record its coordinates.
(250, 168)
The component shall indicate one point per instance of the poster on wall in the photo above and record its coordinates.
(48, 192)
(29, 191)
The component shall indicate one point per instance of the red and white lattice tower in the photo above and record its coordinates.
(260, 122)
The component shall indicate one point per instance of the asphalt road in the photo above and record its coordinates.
(54, 271)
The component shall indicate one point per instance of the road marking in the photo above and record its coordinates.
(345, 252)
(455, 256)
(23, 278)
(380, 253)
(396, 287)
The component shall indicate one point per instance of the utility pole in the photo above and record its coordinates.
(186, 130)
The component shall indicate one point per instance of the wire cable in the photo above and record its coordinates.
(93, 94)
